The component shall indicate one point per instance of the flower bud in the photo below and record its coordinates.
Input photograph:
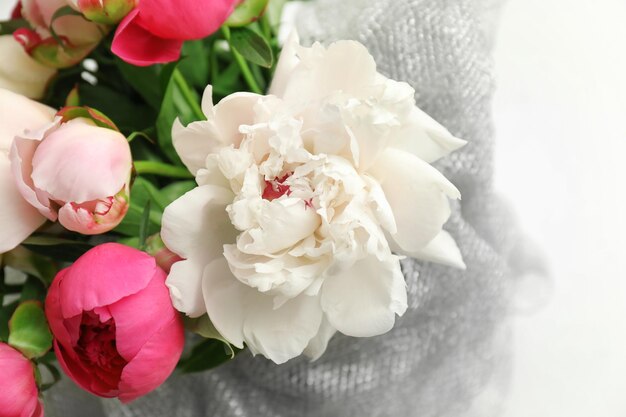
(18, 390)
(165, 258)
(116, 333)
(57, 42)
(108, 12)
(75, 170)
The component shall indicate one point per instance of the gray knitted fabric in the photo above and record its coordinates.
(449, 354)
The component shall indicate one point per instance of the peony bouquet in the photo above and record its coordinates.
(186, 170)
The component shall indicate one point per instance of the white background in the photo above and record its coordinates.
(560, 115)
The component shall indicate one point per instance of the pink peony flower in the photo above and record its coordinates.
(18, 391)
(116, 333)
(18, 219)
(155, 30)
(74, 171)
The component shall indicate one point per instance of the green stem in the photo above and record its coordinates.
(160, 168)
(243, 65)
(188, 94)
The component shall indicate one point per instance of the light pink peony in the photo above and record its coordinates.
(76, 172)
(108, 12)
(116, 333)
(155, 30)
(18, 219)
(18, 391)
(79, 36)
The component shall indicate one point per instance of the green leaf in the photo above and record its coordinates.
(141, 192)
(28, 330)
(194, 66)
(5, 315)
(252, 46)
(160, 168)
(33, 290)
(143, 226)
(177, 189)
(144, 80)
(10, 26)
(63, 250)
(247, 12)
(207, 355)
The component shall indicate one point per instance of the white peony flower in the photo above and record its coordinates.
(304, 197)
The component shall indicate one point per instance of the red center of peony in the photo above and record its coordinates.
(276, 187)
(97, 348)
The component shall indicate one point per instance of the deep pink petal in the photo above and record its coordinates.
(154, 363)
(104, 275)
(139, 317)
(18, 391)
(184, 20)
(138, 46)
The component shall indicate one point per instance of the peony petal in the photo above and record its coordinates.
(104, 275)
(241, 313)
(287, 62)
(317, 346)
(101, 162)
(345, 66)
(19, 72)
(18, 219)
(197, 223)
(225, 299)
(418, 195)
(138, 46)
(154, 363)
(18, 396)
(17, 113)
(185, 284)
(233, 111)
(141, 315)
(173, 19)
(423, 137)
(363, 300)
(195, 142)
(442, 249)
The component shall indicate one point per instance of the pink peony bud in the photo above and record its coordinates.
(78, 36)
(18, 390)
(165, 258)
(108, 12)
(75, 171)
(155, 30)
(116, 333)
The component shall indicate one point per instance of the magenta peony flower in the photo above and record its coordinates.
(18, 391)
(116, 333)
(155, 30)
(76, 172)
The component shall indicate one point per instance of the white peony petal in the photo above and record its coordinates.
(185, 284)
(18, 219)
(197, 223)
(425, 138)
(344, 66)
(195, 142)
(317, 346)
(442, 249)
(233, 111)
(418, 195)
(241, 313)
(287, 61)
(364, 300)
